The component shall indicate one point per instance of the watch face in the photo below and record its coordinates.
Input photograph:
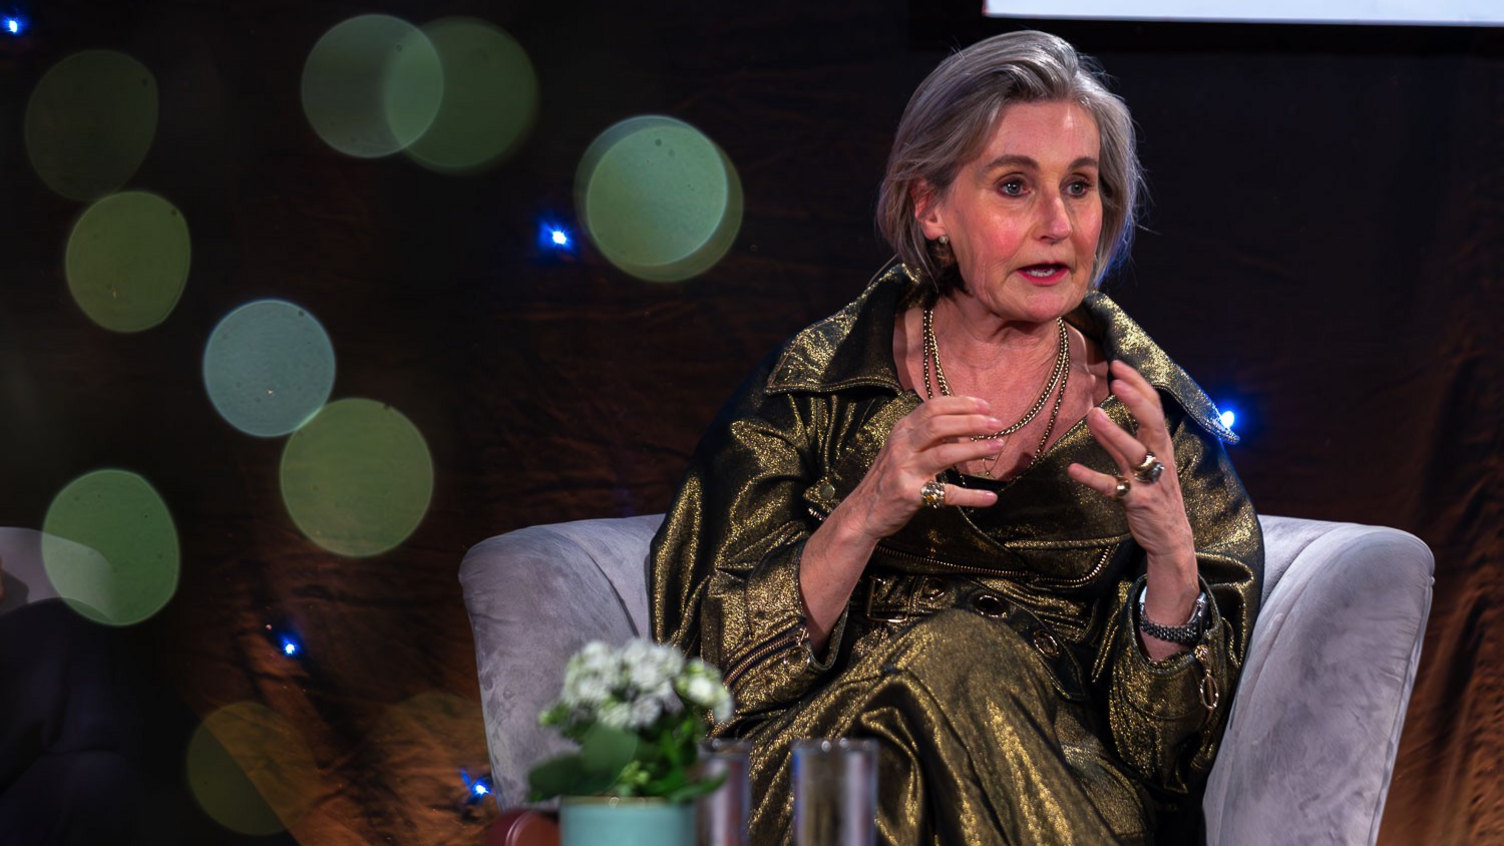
(1198, 611)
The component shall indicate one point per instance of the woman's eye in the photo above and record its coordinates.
(1079, 188)
(1012, 187)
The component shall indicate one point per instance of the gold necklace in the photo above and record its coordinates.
(1059, 378)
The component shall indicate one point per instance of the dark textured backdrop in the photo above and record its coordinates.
(1329, 198)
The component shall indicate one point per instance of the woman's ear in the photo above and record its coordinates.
(927, 209)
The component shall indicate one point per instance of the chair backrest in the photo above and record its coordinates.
(1315, 724)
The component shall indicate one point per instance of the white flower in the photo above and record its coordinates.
(646, 674)
(634, 686)
(670, 660)
(617, 715)
(663, 691)
(597, 650)
(644, 712)
(636, 651)
(699, 690)
(723, 707)
(707, 669)
(586, 690)
(596, 658)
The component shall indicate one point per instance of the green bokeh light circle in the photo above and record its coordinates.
(110, 547)
(268, 367)
(658, 198)
(357, 478)
(372, 85)
(90, 122)
(250, 770)
(127, 260)
(490, 98)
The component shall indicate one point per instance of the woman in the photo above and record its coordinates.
(977, 514)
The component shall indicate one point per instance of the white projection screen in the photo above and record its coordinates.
(1398, 12)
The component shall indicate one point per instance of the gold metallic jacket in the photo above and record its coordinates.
(1052, 559)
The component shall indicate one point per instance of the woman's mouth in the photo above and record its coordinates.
(1045, 273)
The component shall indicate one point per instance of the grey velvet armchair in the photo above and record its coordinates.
(1316, 718)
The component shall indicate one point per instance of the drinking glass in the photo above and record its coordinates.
(723, 814)
(835, 792)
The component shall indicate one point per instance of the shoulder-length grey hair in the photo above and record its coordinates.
(950, 118)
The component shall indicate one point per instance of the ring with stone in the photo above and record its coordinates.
(932, 495)
(1149, 470)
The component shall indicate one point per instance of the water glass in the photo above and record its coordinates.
(835, 792)
(722, 816)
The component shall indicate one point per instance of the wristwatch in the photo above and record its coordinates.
(1188, 634)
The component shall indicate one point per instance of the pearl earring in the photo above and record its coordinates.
(944, 240)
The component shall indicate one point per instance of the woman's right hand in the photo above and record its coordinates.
(936, 435)
(932, 437)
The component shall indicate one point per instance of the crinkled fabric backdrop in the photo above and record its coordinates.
(1324, 250)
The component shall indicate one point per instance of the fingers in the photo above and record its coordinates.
(1142, 401)
(957, 453)
(1102, 483)
(951, 420)
(955, 405)
(959, 497)
(951, 426)
(1125, 449)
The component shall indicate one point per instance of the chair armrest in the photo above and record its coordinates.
(535, 596)
(1309, 749)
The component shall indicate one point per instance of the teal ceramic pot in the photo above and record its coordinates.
(609, 821)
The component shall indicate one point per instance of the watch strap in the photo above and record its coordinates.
(1186, 634)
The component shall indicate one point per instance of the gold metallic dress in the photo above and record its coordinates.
(992, 652)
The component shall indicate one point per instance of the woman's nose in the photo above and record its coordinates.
(1054, 218)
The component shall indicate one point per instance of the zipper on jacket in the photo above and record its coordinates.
(782, 640)
(995, 571)
(959, 568)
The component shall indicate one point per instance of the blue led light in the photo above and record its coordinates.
(288, 644)
(1228, 417)
(555, 238)
(477, 788)
(13, 24)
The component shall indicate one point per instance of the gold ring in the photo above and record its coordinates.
(932, 495)
(1149, 470)
(1121, 491)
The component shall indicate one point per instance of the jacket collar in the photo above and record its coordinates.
(854, 348)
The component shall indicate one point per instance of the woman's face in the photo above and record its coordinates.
(1024, 217)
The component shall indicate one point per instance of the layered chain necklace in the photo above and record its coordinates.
(1059, 378)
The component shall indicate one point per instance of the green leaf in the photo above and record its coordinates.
(696, 789)
(673, 780)
(555, 777)
(607, 750)
(568, 775)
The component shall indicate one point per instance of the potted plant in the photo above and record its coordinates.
(638, 714)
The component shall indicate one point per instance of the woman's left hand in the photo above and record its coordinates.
(1155, 509)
